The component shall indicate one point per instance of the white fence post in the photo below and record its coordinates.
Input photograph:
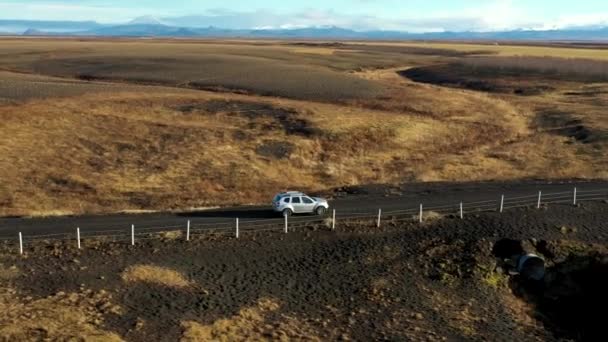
(78, 236)
(574, 196)
(286, 223)
(132, 235)
(420, 214)
(333, 220)
(20, 243)
(237, 227)
(461, 211)
(188, 231)
(540, 195)
(379, 217)
(502, 203)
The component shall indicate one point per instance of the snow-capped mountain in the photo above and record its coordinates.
(147, 20)
(149, 26)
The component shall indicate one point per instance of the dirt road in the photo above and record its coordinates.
(347, 202)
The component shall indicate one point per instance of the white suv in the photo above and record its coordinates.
(296, 202)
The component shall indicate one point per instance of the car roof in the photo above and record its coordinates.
(292, 193)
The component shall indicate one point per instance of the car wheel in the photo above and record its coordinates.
(287, 212)
(320, 211)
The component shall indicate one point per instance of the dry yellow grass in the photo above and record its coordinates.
(131, 151)
(134, 149)
(173, 235)
(56, 318)
(521, 312)
(155, 275)
(462, 315)
(314, 51)
(249, 325)
(8, 273)
(511, 50)
(429, 216)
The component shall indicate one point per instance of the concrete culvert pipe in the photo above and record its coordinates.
(531, 267)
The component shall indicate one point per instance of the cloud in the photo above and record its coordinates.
(496, 15)
(474, 20)
(576, 21)
(490, 15)
(63, 11)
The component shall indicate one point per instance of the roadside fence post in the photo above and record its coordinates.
(333, 220)
(461, 211)
(379, 217)
(237, 227)
(286, 223)
(132, 235)
(574, 196)
(540, 194)
(420, 214)
(502, 203)
(78, 236)
(188, 231)
(20, 243)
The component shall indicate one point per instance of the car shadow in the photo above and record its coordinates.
(241, 213)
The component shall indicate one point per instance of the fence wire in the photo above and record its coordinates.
(278, 224)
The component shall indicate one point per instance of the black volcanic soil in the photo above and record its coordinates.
(405, 281)
(461, 76)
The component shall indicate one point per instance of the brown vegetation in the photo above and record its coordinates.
(517, 74)
(131, 151)
(250, 324)
(584, 70)
(265, 70)
(61, 317)
(155, 275)
(76, 146)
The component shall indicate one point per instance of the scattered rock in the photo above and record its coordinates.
(568, 230)
(344, 337)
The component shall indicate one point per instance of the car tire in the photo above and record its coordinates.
(320, 211)
(287, 212)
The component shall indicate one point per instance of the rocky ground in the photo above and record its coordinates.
(449, 279)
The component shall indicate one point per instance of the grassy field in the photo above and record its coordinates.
(102, 126)
(563, 51)
(309, 73)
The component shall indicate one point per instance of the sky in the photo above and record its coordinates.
(401, 15)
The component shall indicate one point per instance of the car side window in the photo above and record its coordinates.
(307, 200)
(286, 200)
(295, 200)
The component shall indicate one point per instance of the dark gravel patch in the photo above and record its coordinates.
(400, 282)
(459, 76)
(565, 124)
(290, 120)
(275, 149)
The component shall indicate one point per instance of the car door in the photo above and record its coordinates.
(296, 203)
(308, 205)
(286, 202)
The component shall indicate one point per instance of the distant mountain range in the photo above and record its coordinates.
(152, 27)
